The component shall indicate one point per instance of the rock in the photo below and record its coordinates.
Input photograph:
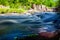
(39, 8)
(1, 6)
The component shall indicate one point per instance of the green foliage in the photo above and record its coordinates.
(16, 4)
(58, 3)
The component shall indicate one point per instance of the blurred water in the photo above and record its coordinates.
(23, 25)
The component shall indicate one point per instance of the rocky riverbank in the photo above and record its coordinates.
(35, 8)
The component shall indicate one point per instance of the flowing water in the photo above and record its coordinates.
(22, 25)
